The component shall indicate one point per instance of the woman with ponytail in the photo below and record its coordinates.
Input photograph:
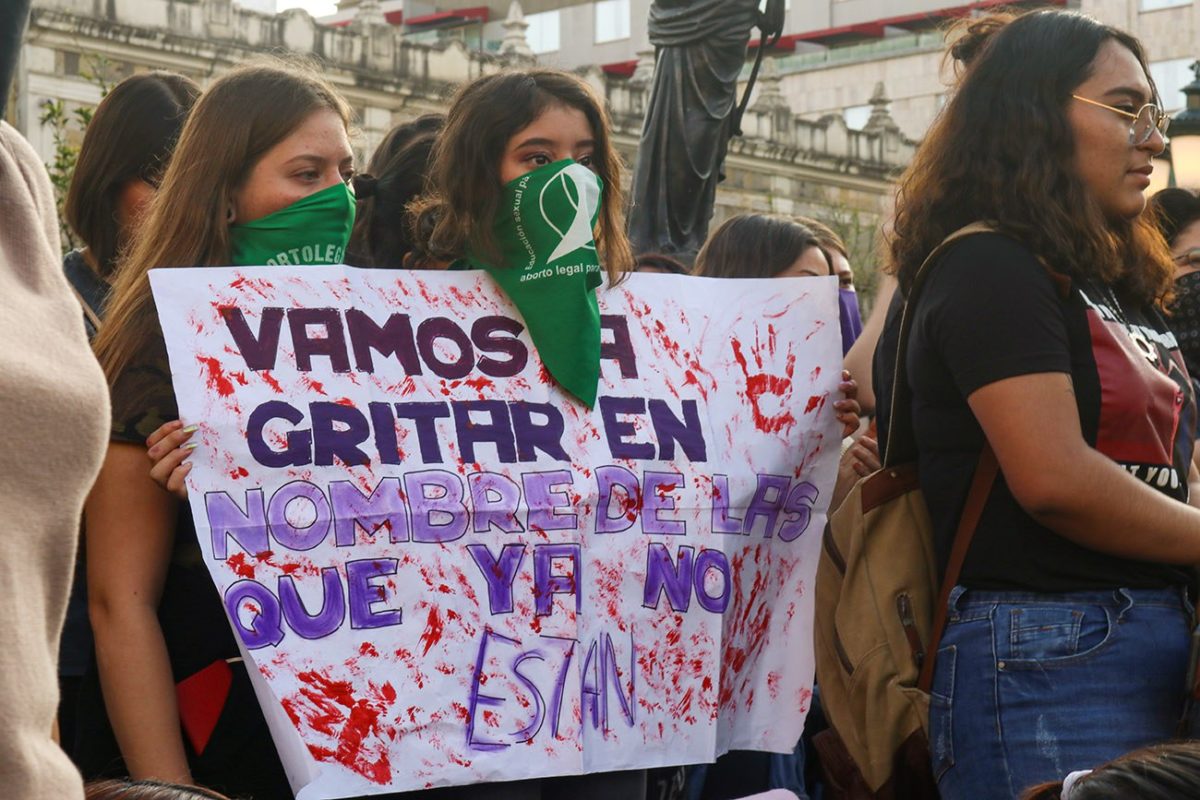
(395, 176)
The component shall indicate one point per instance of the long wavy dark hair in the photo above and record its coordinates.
(1001, 151)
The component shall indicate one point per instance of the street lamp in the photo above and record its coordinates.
(1185, 137)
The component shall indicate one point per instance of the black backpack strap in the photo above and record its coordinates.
(901, 445)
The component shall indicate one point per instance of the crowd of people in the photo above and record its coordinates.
(1062, 338)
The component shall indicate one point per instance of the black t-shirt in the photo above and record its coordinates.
(92, 289)
(991, 311)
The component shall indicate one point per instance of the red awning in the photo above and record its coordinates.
(875, 29)
(478, 13)
(931, 18)
(622, 69)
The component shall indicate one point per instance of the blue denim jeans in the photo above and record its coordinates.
(1029, 687)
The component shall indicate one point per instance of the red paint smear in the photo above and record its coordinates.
(815, 403)
(240, 567)
(684, 705)
(315, 386)
(216, 376)
(270, 381)
(431, 299)
(761, 384)
(240, 472)
(363, 720)
(359, 721)
(690, 379)
(480, 384)
(463, 299)
(367, 649)
(433, 631)
(344, 401)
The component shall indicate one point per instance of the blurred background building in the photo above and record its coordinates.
(842, 99)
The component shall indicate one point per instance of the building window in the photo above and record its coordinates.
(857, 116)
(612, 20)
(543, 32)
(69, 62)
(1170, 77)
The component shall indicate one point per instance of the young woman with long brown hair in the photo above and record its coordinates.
(1068, 631)
(260, 171)
(121, 161)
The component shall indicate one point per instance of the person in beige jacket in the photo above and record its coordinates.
(54, 419)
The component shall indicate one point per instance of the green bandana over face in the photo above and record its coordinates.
(550, 269)
(312, 230)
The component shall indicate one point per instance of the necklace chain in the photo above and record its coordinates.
(1135, 334)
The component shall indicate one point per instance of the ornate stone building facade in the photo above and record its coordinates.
(782, 164)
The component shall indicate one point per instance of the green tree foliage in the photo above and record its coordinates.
(862, 237)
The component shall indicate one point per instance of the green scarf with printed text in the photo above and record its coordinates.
(550, 270)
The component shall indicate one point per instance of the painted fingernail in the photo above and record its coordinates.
(191, 429)
(191, 445)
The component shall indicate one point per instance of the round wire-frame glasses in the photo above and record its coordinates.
(1148, 119)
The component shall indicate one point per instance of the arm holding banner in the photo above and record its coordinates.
(130, 530)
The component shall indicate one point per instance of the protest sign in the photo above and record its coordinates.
(445, 570)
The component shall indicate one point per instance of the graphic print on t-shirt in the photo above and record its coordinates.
(1142, 385)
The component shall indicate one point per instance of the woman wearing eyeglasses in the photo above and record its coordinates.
(1067, 640)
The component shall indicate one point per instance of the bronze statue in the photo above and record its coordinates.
(700, 52)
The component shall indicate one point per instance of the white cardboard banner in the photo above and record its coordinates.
(445, 570)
